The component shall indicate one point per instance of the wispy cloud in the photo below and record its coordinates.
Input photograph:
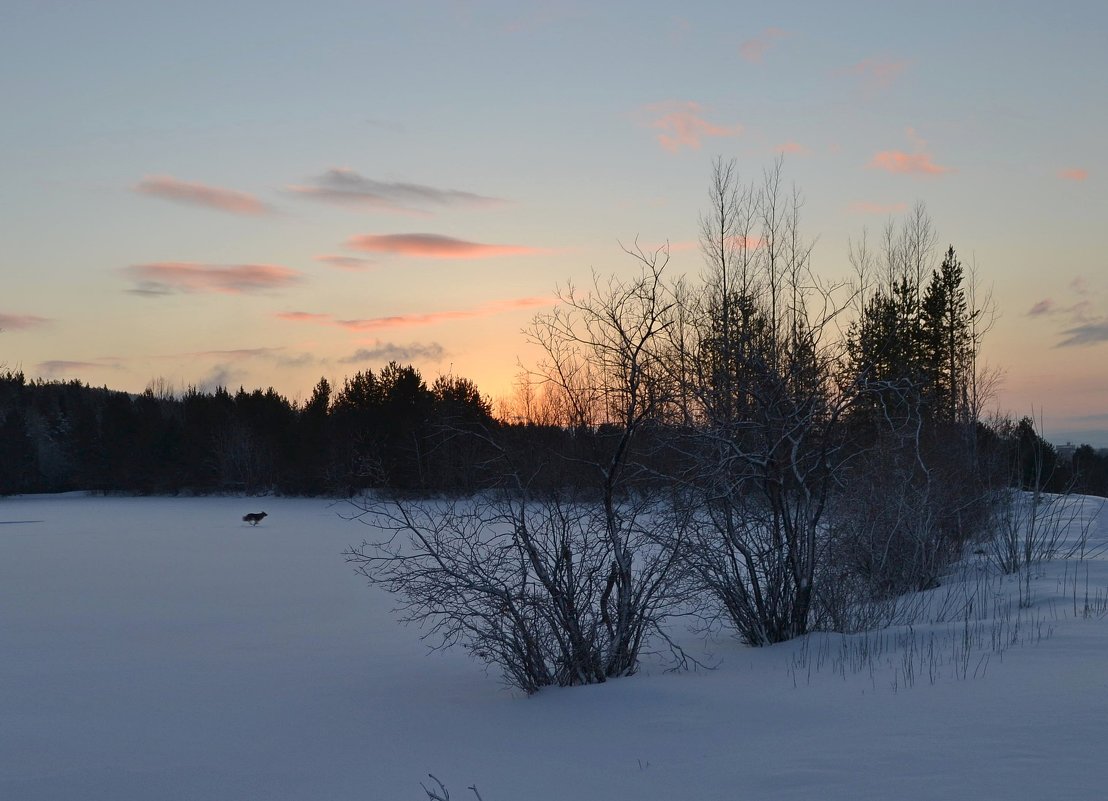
(919, 162)
(754, 49)
(1077, 313)
(876, 73)
(20, 322)
(1073, 174)
(868, 207)
(221, 375)
(420, 318)
(346, 262)
(792, 148)
(227, 357)
(167, 278)
(1044, 306)
(433, 246)
(390, 352)
(347, 188)
(682, 124)
(1084, 323)
(213, 197)
(430, 318)
(238, 353)
(1092, 333)
(1080, 285)
(304, 317)
(297, 359)
(59, 368)
(897, 161)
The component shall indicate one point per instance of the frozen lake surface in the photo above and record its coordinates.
(156, 649)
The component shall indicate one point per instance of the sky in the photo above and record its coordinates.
(266, 193)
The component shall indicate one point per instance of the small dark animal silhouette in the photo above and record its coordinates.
(253, 518)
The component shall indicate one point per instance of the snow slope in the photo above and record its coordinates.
(161, 649)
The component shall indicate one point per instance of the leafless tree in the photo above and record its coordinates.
(767, 444)
(555, 586)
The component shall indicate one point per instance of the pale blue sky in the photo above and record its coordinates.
(152, 152)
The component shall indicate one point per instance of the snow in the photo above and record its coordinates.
(161, 648)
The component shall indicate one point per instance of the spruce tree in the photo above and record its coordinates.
(947, 341)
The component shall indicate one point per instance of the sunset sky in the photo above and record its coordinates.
(263, 193)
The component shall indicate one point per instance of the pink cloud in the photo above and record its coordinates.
(867, 207)
(753, 50)
(433, 246)
(792, 147)
(406, 320)
(19, 322)
(1073, 174)
(212, 197)
(897, 161)
(906, 163)
(345, 262)
(304, 317)
(1044, 306)
(745, 242)
(165, 278)
(430, 318)
(918, 163)
(419, 319)
(877, 73)
(683, 125)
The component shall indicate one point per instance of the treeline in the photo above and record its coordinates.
(387, 429)
(1082, 470)
(383, 429)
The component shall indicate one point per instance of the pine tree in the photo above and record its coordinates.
(948, 342)
(886, 345)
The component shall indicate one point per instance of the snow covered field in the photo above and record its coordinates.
(161, 649)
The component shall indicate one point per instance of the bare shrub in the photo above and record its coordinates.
(561, 585)
(766, 435)
(540, 587)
